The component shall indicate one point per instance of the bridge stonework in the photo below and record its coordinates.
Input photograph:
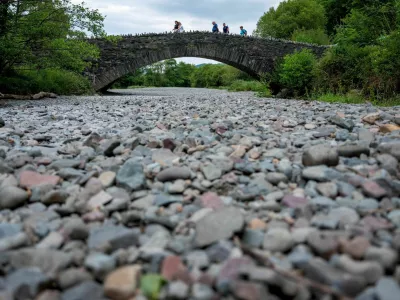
(252, 55)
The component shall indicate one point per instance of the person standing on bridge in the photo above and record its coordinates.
(243, 32)
(225, 29)
(178, 27)
(215, 27)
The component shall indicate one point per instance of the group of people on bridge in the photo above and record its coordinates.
(225, 29)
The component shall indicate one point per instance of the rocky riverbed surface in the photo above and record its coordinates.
(198, 194)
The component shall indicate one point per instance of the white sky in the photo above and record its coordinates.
(140, 16)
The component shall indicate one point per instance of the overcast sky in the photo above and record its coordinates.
(139, 16)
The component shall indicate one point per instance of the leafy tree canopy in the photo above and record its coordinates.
(47, 34)
(291, 15)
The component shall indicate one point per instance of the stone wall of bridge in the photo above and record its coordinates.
(252, 55)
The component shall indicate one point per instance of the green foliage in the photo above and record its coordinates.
(48, 34)
(297, 71)
(349, 98)
(256, 86)
(50, 80)
(169, 73)
(48, 37)
(312, 36)
(291, 15)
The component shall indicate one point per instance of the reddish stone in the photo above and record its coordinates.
(231, 269)
(372, 189)
(356, 181)
(169, 144)
(211, 200)
(44, 161)
(206, 279)
(356, 247)
(28, 179)
(221, 130)
(257, 224)
(172, 267)
(294, 202)
(375, 223)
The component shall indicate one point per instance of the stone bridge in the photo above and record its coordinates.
(252, 55)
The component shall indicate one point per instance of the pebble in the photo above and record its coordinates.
(174, 173)
(320, 155)
(12, 197)
(176, 194)
(122, 283)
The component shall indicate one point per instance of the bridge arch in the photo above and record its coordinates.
(248, 54)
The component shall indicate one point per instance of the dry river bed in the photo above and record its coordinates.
(198, 194)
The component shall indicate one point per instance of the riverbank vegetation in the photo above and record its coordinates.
(364, 56)
(43, 47)
(361, 64)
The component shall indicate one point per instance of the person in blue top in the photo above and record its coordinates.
(243, 32)
(215, 27)
(225, 29)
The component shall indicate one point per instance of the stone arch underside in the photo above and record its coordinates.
(254, 56)
(232, 57)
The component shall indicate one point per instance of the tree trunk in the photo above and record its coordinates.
(3, 16)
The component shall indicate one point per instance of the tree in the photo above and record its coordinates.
(291, 15)
(47, 34)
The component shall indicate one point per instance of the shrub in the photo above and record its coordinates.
(296, 72)
(53, 80)
(312, 36)
(341, 69)
(255, 86)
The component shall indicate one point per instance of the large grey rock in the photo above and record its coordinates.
(174, 173)
(100, 264)
(218, 225)
(392, 148)
(25, 283)
(12, 197)
(277, 240)
(131, 176)
(85, 290)
(47, 260)
(320, 155)
(112, 237)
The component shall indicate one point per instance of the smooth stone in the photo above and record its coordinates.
(174, 173)
(353, 150)
(320, 155)
(112, 237)
(100, 264)
(122, 283)
(131, 176)
(218, 225)
(72, 277)
(387, 289)
(29, 179)
(253, 237)
(211, 172)
(107, 178)
(26, 282)
(85, 290)
(12, 197)
(277, 240)
(178, 290)
(76, 229)
(48, 261)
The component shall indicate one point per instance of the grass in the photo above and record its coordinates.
(353, 98)
(255, 86)
(338, 98)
